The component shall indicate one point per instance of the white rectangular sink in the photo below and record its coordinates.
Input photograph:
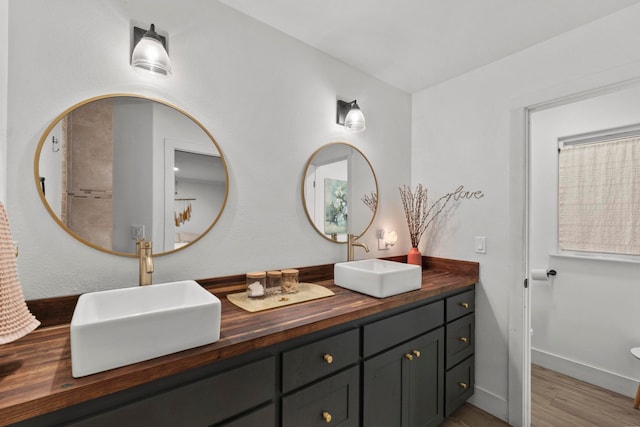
(118, 327)
(378, 278)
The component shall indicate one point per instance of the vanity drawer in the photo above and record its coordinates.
(459, 385)
(387, 333)
(204, 402)
(461, 305)
(460, 340)
(318, 359)
(334, 400)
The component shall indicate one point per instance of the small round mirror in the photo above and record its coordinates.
(116, 168)
(339, 191)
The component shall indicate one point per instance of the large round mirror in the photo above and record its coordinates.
(339, 191)
(116, 168)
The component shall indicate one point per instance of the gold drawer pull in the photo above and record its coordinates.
(416, 352)
(408, 356)
(327, 417)
(328, 358)
(464, 339)
(464, 304)
(463, 386)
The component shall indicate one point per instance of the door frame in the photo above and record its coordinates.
(520, 109)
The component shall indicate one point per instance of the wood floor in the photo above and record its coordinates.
(560, 401)
(470, 416)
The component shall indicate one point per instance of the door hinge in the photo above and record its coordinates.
(526, 282)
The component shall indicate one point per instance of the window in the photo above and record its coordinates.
(599, 196)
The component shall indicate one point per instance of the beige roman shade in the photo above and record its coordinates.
(599, 197)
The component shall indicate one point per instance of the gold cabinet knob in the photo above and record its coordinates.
(464, 304)
(416, 353)
(328, 358)
(408, 356)
(464, 339)
(463, 386)
(327, 417)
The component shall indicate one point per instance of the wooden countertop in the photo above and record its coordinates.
(35, 371)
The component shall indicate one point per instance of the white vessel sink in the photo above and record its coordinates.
(118, 327)
(378, 278)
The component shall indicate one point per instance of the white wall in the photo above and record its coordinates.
(461, 134)
(4, 63)
(173, 131)
(268, 100)
(208, 196)
(586, 319)
(50, 168)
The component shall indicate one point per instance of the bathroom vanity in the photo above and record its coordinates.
(348, 360)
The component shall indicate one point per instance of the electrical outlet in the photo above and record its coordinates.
(137, 232)
(381, 243)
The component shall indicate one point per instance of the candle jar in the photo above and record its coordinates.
(274, 282)
(256, 284)
(289, 281)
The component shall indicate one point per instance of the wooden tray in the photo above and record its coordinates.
(306, 292)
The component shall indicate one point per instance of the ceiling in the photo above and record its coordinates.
(415, 44)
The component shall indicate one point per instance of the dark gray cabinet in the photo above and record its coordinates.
(334, 400)
(258, 418)
(318, 359)
(390, 331)
(403, 386)
(460, 340)
(408, 366)
(460, 347)
(461, 305)
(202, 403)
(402, 389)
(459, 385)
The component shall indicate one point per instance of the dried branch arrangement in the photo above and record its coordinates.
(371, 201)
(418, 212)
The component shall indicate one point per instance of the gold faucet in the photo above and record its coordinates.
(351, 242)
(143, 250)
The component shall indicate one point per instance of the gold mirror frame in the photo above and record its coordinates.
(304, 199)
(61, 116)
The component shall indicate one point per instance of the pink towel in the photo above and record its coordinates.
(16, 320)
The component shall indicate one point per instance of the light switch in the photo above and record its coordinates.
(481, 245)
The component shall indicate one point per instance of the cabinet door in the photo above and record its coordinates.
(404, 386)
(382, 389)
(334, 400)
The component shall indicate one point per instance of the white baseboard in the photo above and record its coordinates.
(491, 403)
(590, 374)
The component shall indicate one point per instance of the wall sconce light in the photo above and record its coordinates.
(350, 116)
(386, 239)
(149, 55)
